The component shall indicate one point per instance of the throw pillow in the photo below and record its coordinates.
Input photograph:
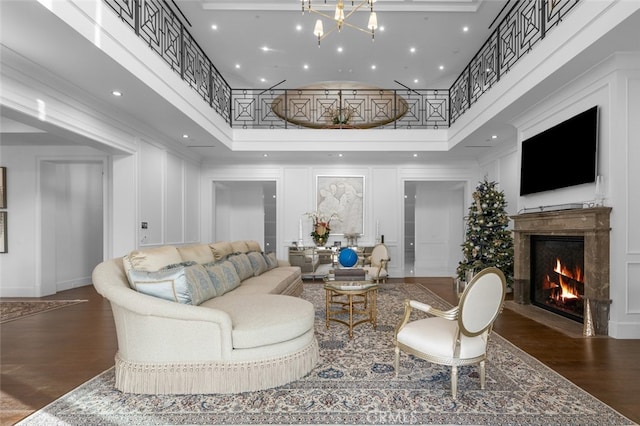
(179, 264)
(239, 247)
(200, 253)
(223, 275)
(253, 245)
(258, 264)
(221, 250)
(152, 259)
(179, 283)
(271, 259)
(242, 264)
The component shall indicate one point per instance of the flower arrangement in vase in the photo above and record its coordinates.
(321, 227)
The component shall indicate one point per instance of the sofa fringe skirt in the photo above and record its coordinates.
(215, 377)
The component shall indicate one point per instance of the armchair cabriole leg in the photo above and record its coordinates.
(454, 381)
(482, 373)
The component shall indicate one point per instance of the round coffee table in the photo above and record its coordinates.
(352, 298)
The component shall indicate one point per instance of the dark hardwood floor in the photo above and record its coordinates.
(46, 355)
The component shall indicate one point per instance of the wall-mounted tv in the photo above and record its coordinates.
(562, 156)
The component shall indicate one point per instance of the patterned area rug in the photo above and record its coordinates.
(355, 383)
(14, 309)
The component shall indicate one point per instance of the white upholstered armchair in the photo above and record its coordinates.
(460, 335)
(376, 264)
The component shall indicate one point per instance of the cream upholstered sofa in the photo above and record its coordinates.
(183, 331)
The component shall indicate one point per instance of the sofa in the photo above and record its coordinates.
(202, 319)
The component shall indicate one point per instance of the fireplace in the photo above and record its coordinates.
(557, 275)
(588, 227)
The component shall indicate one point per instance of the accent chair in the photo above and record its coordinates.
(376, 264)
(460, 335)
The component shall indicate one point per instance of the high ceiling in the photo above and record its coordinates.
(272, 41)
(435, 29)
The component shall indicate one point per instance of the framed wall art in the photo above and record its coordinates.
(344, 196)
(3, 232)
(3, 187)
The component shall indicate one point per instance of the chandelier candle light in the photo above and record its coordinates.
(340, 18)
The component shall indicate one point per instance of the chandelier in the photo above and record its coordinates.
(340, 18)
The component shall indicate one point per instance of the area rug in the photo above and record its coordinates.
(355, 383)
(14, 309)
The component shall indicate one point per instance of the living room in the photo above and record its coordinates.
(117, 177)
(178, 207)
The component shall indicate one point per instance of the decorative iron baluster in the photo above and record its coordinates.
(523, 26)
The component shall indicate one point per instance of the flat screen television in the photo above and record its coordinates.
(562, 156)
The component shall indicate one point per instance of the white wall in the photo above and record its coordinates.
(48, 189)
(58, 192)
(614, 86)
(168, 190)
(296, 186)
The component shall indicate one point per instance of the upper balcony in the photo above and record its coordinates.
(343, 107)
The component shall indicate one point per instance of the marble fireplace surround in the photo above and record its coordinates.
(590, 223)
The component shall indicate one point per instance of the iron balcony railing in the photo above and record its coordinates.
(161, 29)
(340, 108)
(523, 26)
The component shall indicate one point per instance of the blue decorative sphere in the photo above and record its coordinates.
(348, 257)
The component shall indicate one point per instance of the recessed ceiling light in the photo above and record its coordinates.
(412, 50)
(237, 66)
(265, 155)
(381, 28)
(415, 155)
(299, 27)
(373, 67)
(264, 48)
(214, 27)
(305, 66)
(185, 136)
(263, 79)
(415, 80)
(465, 29)
(339, 155)
(441, 67)
(494, 136)
(339, 49)
(116, 93)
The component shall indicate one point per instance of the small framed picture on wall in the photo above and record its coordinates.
(3, 232)
(3, 187)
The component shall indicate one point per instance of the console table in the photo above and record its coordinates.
(310, 258)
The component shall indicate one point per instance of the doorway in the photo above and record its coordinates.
(433, 227)
(72, 223)
(246, 210)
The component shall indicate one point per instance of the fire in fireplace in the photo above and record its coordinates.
(557, 279)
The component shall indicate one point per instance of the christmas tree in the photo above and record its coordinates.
(488, 241)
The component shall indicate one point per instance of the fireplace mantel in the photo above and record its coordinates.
(591, 223)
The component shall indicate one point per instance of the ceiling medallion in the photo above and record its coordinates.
(339, 105)
(340, 18)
